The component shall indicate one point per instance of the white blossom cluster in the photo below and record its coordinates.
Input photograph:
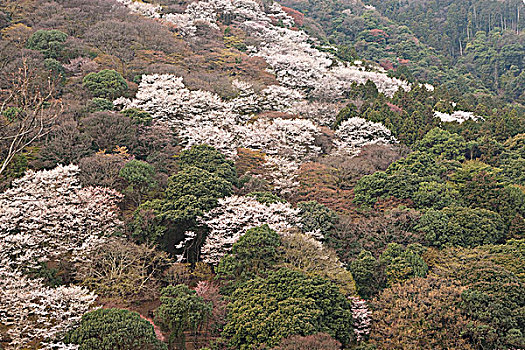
(142, 8)
(203, 117)
(47, 216)
(282, 174)
(237, 11)
(362, 317)
(290, 54)
(356, 132)
(167, 99)
(293, 139)
(237, 214)
(34, 312)
(457, 116)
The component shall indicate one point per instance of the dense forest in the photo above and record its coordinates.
(259, 174)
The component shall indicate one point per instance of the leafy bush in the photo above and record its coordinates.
(181, 310)
(284, 304)
(316, 217)
(49, 42)
(140, 177)
(107, 83)
(208, 158)
(98, 104)
(56, 69)
(114, 329)
(464, 227)
(252, 254)
(138, 116)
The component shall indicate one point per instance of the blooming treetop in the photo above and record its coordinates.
(145, 9)
(362, 317)
(46, 214)
(199, 115)
(356, 132)
(33, 312)
(237, 214)
(457, 116)
(289, 52)
(203, 117)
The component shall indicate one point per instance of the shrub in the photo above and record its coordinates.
(57, 70)
(100, 104)
(286, 303)
(107, 84)
(114, 329)
(49, 42)
(138, 116)
(181, 310)
(463, 227)
(208, 158)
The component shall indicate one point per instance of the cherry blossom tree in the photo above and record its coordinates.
(362, 317)
(145, 9)
(294, 139)
(33, 312)
(282, 174)
(357, 132)
(46, 215)
(235, 215)
(293, 59)
(457, 116)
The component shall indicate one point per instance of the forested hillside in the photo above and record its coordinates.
(471, 46)
(252, 174)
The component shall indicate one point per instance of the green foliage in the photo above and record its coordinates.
(148, 226)
(402, 264)
(346, 113)
(12, 113)
(181, 310)
(266, 197)
(306, 254)
(316, 217)
(208, 158)
(49, 275)
(396, 264)
(482, 186)
(493, 297)
(98, 104)
(286, 303)
(366, 272)
(107, 83)
(138, 173)
(108, 329)
(189, 194)
(138, 116)
(192, 191)
(499, 305)
(251, 255)
(140, 177)
(49, 42)
(464, 227)
(17, 167)
(401, 180)
(443, 144)
(435, 195)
